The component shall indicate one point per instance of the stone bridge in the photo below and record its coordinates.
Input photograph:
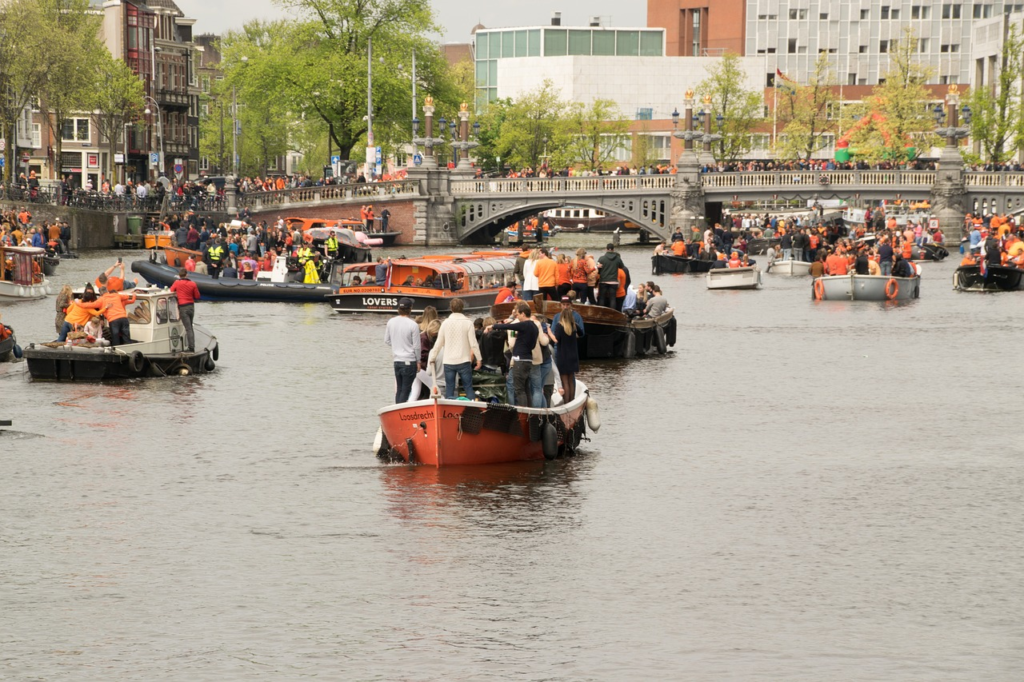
(441, 207)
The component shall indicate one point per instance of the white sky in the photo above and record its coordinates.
(456, 17)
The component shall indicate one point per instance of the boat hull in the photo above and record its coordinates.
(236, 289)
(381, 301)
(866, 288)
(25, 291)
(997, 278)
(734, 278)
(458, 432)
(608, 334)
(7, 348)
(792, 268)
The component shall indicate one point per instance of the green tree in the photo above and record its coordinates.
(525, 125)
(117, 99)
(997, 124)
(806, 113)
(741, 109)
(27, 30)
(69, 87)
(594, 134)
(900, 117)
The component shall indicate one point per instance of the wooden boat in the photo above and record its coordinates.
(175, 256)
(607, 332)
(793, 268)
(581, 219)
(283, 284)
(669, 263)
(21, 273)
(932, 251)
(855, 287)
(476, 278)
(734, 278)
(158, 349)
(758, 247)
(996, 278)
(439, 432)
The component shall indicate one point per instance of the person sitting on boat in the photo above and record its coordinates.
(190, 264)
(507, 293)
(629, 304)
(93, 330)
(873, 267)
(837, 263)
(357, 281)
(903, 268)
(660, 248)
(745, 261)
(656, 304)
(112, 305)
(734, 260)
(230, 270)
(679, 248)
(492, 348)
(77, 315)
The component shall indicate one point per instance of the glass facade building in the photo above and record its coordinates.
(490, 46)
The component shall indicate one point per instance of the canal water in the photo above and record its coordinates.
(798, 491)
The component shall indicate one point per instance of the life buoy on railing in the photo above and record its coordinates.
(819, 290)
(892, 289)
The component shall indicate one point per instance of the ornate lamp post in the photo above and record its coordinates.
(428, 142)
(953, 132)
(464, 145)
(706, 157)
(687, 160)
(949, 194)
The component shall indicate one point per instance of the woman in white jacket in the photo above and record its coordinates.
(531, 286)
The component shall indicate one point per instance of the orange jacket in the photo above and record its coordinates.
(546, 271)
(111, 305)
(621, 291)
(78, 313)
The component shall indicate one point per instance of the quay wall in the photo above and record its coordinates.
(89, 229)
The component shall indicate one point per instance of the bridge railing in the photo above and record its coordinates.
(993, 179)
(774, 179)
(259, 201)
(595, 184)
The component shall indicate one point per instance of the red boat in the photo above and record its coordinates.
(442, 432)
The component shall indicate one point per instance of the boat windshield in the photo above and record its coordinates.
(354, 276)
(139, 312)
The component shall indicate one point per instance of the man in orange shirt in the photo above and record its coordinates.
(111, 304)
(546, 272)
(620, 293)
(837, 264)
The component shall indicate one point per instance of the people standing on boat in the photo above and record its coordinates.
(531, 285)
(786, 244)
(564, 278)
(579, 272)
(861, 266)
(112, 306)
(457, 337)
(885, 256)
(215, 255)
(403, 335)
(677, 236)
(527, 333)
(546, 271)
(385, 219)
(331, 246)
(187, 293)
(991, 252)
(428, 316)
(428, 337)
(311, 274)
(608, 278)
(380, 271)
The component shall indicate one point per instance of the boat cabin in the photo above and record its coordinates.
(457, 276)
(154, 318)
(22, 265)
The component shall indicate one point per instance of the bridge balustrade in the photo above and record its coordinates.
(993, 179)
(257, 201)
(594, 184)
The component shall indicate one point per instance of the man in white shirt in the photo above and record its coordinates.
(119, 189)
(403, 335)
(142, 190)
(458, 339)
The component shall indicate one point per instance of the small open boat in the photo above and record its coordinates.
(793, 268)
(8, 341)
(440, 432)
(21, 272)
(995, 278)
(475, 277)
(158, 347)
(855, 287)
(734, 278)
(669, 263)
(609, 333)
(931, 251)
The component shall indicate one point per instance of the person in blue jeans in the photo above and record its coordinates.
(403, 335)
(457, 338)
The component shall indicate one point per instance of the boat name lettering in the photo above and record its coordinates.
(415, 416)
(377, 301)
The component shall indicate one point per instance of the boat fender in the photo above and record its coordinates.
(659, 339)
(549, 441)
(593, 418)
(136, 362)
(17, 351)
(216, 353)
(629, 350)
(209, 365)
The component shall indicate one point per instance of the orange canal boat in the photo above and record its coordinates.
(475, 277)
(439, 432)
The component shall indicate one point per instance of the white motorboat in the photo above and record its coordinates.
(734, 278)
(855, 287)
(793, 268)
(21, 272)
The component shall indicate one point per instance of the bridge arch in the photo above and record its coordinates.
(480, 219)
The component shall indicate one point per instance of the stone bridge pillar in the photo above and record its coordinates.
(949, 193)
(688, 194)
(434, 219)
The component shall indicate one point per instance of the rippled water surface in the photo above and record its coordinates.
(800, 491)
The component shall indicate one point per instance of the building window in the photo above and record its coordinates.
(604, 43)
(851, 79)
(951, 11)
(37, 136)
(982, 11)
(895, 14)
(696, 33)
(950, 48)
(885, 11)
(883, 46)
(204, 163)
(791, 49)
(863, 49)
(555, 42)
(823, 16)
(795, 14)
(75, 130)
(865, 14)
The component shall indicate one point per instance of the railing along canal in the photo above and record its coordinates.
(572, 185)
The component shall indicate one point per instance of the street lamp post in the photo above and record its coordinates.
(464, 145)
(428, 142)
(687, 159)
(160, 131)
(707, 158)
(953, 132)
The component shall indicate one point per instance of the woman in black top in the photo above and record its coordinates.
(526, 333)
